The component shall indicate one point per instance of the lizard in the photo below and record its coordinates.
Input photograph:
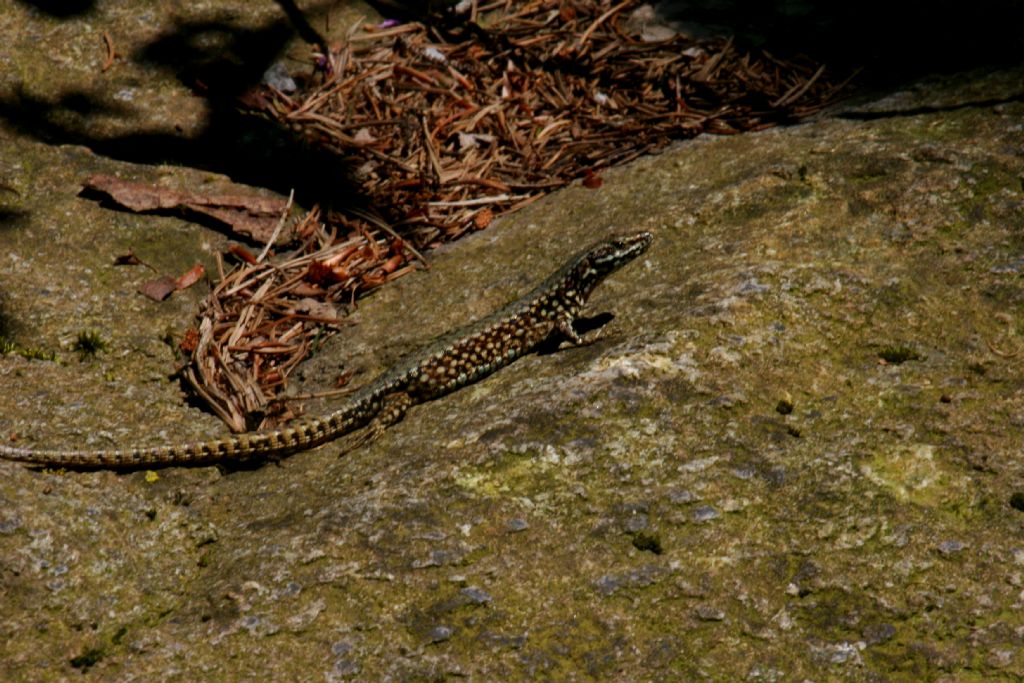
(454, 361)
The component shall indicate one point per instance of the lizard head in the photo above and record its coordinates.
(607, 256)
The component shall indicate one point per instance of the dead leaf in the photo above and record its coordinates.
(591, 180)
(189, 278)
(249, 215)
(363, 137)
(158, 289)
(319, 273)
(190, 341)
(392, 264)
(316, 308)
(483, 218)
(243, 253)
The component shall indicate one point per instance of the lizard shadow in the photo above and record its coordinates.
(226, 468)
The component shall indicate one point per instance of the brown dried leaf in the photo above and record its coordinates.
(483, 218)
(159, 288)
(319, 273)
(316, 308)
(190, 277)
(190, 341)
(243, 253)
(250, 215)
(303, 289)
(392, 264)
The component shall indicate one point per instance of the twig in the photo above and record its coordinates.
(319, 394)
(601, 19)
(111, 54)
(796, 93)
(479, 201)
(277, 229)
(370, 218)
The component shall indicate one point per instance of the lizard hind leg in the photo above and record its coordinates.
(392, 411)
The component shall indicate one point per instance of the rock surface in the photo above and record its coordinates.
(796, 452)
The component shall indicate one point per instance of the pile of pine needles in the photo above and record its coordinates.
(447, 126)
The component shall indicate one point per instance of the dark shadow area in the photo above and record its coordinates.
(583, 326)
(5, 320)
(411, 10)
(246, 148)
(36, 118)
(10, 219)
(218, 61)
(13, 219)
(300, 23)
(61, 8)
(226, 468)
(918, 111)
(10, 326)
(893, 42)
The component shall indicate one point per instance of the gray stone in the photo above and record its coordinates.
(785, 263)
